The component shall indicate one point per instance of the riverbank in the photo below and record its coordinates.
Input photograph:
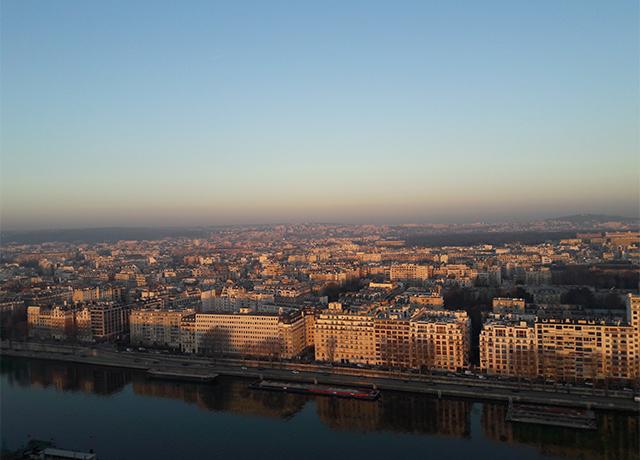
(309, 373)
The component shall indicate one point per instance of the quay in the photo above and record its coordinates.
(447, 386)
(554, 416)
(366, 394)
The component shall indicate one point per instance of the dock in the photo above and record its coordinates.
(366, 394)
(554, 416)
(182, 375)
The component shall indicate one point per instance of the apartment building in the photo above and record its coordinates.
(435, 339)
(156, 327)
(633, 317)
(441, 340)
(55, 322)
(247, 333)
(188, 333)
(570, 348)
(411, 272)
(507, 305)
(309, 315)
(586, 349)
(508, 347)
(345, 336)
(428, 299)
(392, 342)
(109, 320)
(93, 294)
(84, 332)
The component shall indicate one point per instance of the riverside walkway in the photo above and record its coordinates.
(439, 386)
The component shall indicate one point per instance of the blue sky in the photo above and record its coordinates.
(144, 113)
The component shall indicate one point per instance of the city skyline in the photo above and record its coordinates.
(144, 114)
(362, 229)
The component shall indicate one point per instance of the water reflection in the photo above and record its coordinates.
(617, 437)
(398, 412)
(227, 395)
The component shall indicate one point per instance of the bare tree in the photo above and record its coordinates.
(215, 342)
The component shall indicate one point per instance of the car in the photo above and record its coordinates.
(244, 368)
(295, 372)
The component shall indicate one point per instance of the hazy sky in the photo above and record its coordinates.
(137, 113)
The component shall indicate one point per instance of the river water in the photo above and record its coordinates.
(121, 414)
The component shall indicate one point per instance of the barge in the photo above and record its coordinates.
(366, 394)
(168, 374)
(554, 416)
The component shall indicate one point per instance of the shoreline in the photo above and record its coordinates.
(178, 365)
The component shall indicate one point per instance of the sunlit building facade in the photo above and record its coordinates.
(508, 347)
(248, 333)
(54, 322)
(409, 272)
(434, 339)
(441, 340)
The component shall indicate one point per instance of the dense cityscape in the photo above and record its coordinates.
(563, 310)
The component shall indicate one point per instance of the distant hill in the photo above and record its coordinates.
(98, 235)
(590, 219)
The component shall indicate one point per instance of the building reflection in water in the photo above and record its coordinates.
(62, 376)
(227, 395)
(617, 438)
(398, 412)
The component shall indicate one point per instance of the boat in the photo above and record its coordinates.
(366, 394)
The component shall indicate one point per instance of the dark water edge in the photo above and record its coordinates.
(123, 415)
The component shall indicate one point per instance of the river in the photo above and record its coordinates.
(121, 414)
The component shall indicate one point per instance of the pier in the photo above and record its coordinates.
(179, 374)
(554, 416)
(315, 389)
